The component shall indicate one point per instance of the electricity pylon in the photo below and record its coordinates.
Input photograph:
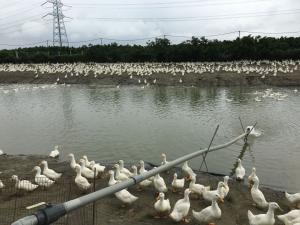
(60, 36)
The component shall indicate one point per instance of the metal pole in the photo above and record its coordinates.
(241, 124)
(51, 214)
(204, 157)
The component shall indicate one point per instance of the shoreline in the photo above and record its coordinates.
(109, 210)
(198, 80)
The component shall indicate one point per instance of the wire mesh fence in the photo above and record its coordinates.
(14, 202)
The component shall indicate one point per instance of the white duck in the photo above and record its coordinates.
(257, 196)
(210, 213)
(251, 177)
(177, 183)
(54, 153)
(181, 208)
(162, 205)
(240, 171)
(264, 219)
(125, 196)
(123, 169)
(97, 166)
(1, 152)
(86, 172)
(143, 170)
(86, 161)
(24, 184)
(112, 180)
(225, 189)
(188, 170)
(72, 161)
(120, 176)
(164, 159)
(294, 222)
(142, 167)
(40, 179)
(197, 188)
(144, 183)
(293, 199)
(1, 185)
(49, 172)
(81, 182)
(159, 184)
(290, 216)
(209, 195)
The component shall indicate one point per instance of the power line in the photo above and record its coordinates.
(22, 45)
(181, 5)
(18, 29)
(23, 20)
(19, 12)
(161, 3)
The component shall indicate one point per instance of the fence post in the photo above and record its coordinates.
(94, 189)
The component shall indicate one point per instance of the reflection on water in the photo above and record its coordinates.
(131, 123)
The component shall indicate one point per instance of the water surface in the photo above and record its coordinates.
(131, 123)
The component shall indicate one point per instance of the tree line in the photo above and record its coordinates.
(162, 50)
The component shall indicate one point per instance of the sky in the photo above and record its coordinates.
(125, 21)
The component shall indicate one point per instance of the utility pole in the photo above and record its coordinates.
(239, 34)
(60, 36)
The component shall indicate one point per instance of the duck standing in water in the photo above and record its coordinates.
(54, 153)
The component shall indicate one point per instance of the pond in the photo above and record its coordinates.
(131, 123)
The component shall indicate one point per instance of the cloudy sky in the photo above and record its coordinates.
(22, 23)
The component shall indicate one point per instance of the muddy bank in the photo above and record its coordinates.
(109, 210)
(205, 79)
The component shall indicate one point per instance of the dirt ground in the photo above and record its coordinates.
(215, 79)
(109, 210)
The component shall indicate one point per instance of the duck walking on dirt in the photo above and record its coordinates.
(181, 208)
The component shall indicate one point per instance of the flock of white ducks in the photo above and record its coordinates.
(143, 72)
(87, 170)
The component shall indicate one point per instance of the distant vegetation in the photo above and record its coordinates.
(162, 50)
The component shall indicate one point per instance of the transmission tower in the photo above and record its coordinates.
(60, 36)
